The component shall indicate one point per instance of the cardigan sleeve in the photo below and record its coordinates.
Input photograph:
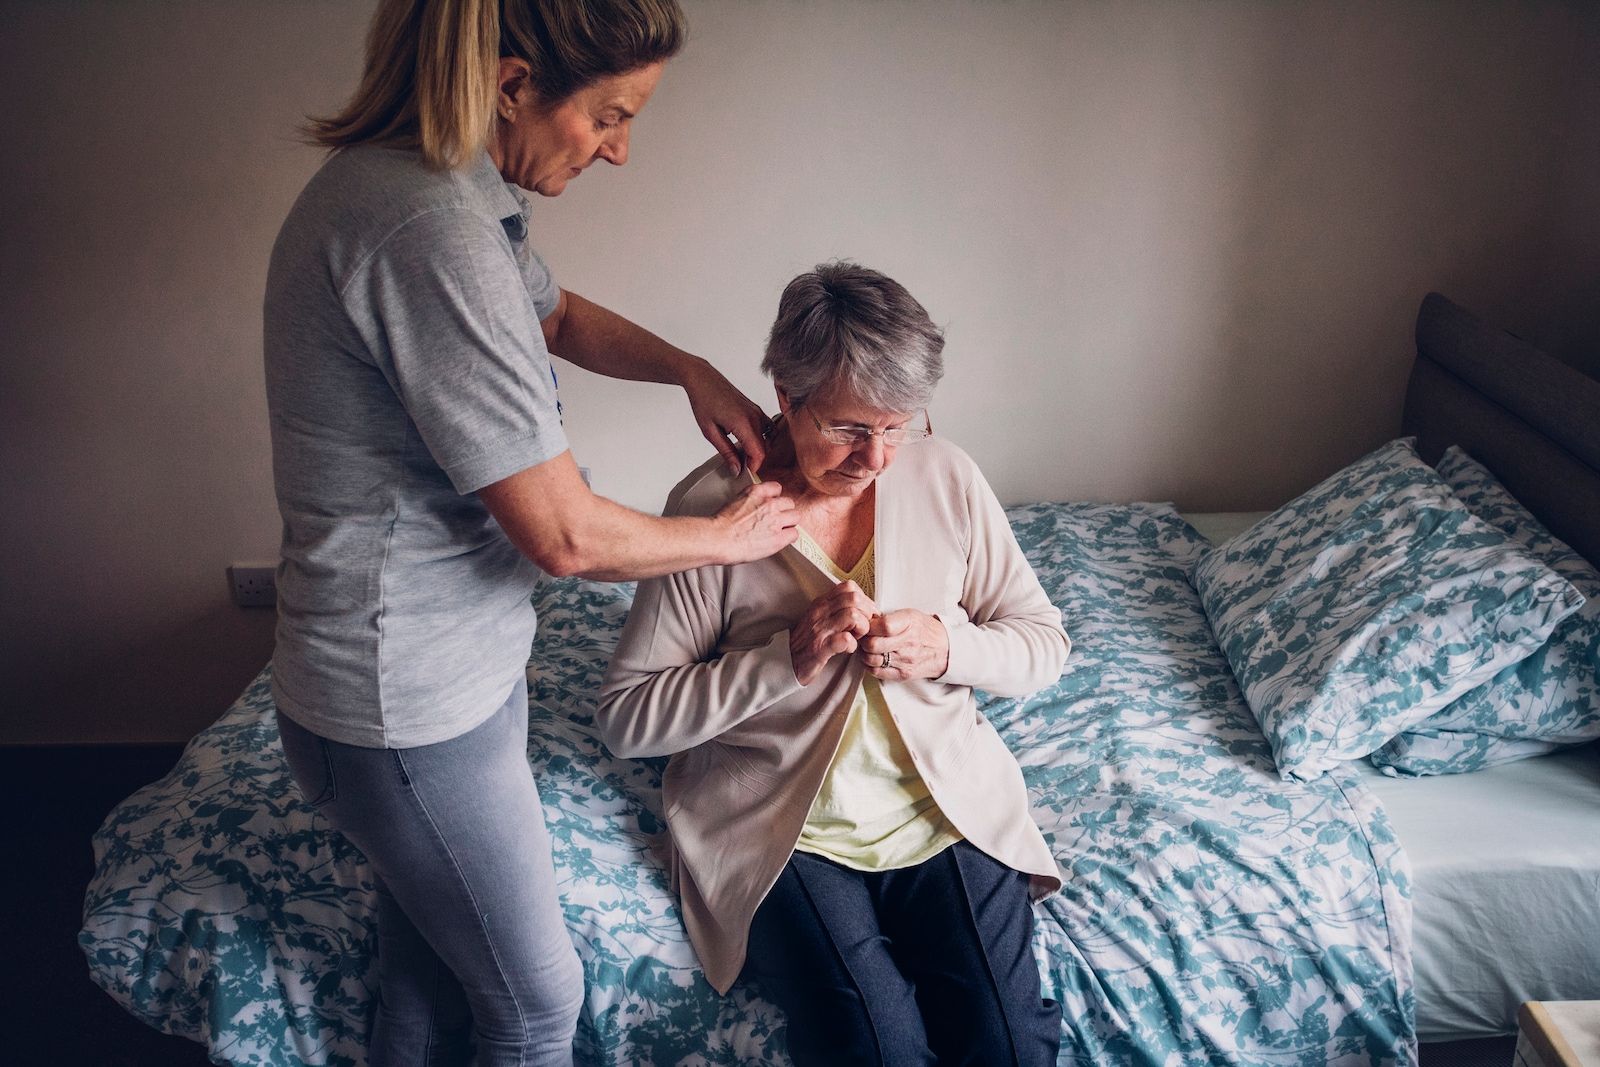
(1008, 638)
(668, 689)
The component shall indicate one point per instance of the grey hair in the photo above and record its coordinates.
(847, 325)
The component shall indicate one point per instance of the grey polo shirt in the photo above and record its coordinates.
(406, 369)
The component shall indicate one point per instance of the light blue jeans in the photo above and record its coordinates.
(471, 939)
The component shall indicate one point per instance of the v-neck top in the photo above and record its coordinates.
(873, 811)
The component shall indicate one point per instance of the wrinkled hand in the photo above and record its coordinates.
(905, 644)
(756, 523)
(831, 626)
(721, 411)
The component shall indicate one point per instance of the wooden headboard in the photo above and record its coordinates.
(1531, 419)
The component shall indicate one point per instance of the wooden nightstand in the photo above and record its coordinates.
(1558, 1033)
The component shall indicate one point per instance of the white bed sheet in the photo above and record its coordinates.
(1505, 867)
(1218, 526)
(1505, 864)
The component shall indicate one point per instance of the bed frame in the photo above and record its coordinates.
(1531, 419)
(1535, 422)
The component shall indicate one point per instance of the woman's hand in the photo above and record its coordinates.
(756, 523)
(906, 644)
(604, 342)
(831, 626)
(722, 410)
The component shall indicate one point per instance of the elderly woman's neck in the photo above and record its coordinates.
(782, 467)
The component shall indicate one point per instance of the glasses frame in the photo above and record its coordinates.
(854, 436)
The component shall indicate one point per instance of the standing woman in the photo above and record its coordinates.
(420, 466)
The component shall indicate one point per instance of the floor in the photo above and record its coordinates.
(1487, 1052)
(65, 792)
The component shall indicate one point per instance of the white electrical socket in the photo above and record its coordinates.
(254, 585)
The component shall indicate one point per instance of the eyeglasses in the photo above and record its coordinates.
(856, 435)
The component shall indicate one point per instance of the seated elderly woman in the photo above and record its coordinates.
(846, 827)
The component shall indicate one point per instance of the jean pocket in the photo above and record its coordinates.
(310, 762)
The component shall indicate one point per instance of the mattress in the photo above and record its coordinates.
(1505, 867)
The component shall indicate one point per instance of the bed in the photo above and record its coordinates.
(1214, 911)
(1504, 863)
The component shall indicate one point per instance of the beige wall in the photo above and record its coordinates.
(1177, 248)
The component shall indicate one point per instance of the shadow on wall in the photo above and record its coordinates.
(1565, 301)
(1411, 169)
(155, 688)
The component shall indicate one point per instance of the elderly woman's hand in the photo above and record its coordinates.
(906, 644)
(721, 410)
(831, 626)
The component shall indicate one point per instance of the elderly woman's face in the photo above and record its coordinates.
(840, 469)
(543, 149)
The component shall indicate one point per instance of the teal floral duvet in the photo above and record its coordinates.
(1212, 913)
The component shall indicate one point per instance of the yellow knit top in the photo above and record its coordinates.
(873, 813)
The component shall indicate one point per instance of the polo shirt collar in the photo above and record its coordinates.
(500, 198)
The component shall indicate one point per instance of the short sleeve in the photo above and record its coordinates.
(450, 316)
(542, 288)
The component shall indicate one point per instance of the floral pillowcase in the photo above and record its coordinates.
(1551, 698)
(1369, 604)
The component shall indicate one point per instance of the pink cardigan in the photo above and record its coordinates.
(703, 673)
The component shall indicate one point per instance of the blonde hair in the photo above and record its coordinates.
(432, 66)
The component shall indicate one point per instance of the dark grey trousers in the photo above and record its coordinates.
(927, 964)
